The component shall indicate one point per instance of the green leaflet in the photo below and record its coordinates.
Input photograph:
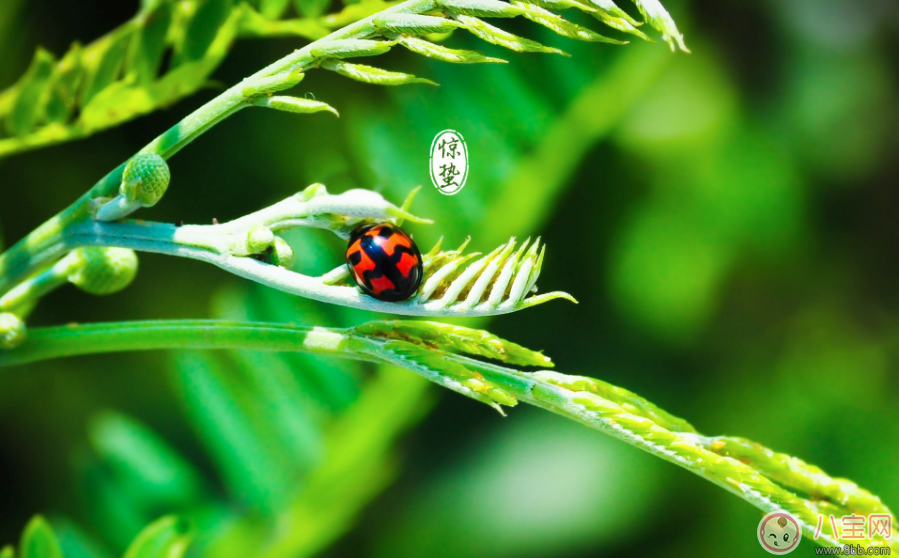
(656, 15)
(116, 103)
(502, 38)
(273, 9)
(452, 338)
(481, 8)
(154, 474)
(273, 84)
(7, 552)
(149, 44)
(621, 24)
(103, 62)
(114, 79)
(311, 8)
(39, 541)
(64, 85)
(351, 48)
(125, 99)
(370, 74)
(168, 537)
(203, 31)
(562, 26)
(611, 8)
(295, 105)
(437, 367)
(623, 397)
(440, 52)
(254, 24)
(414, 24)
(30, 91)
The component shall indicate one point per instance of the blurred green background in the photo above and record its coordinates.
(726, 219)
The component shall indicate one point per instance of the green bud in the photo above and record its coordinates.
(259, 239)
(145, 180)
(282, 253)
(102, 271)
(12, 331)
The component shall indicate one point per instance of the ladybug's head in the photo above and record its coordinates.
(362, 229)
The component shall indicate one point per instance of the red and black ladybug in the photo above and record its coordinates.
(384, 262)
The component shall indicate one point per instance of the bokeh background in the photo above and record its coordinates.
(727, 220)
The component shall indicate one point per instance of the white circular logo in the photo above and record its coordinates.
(449, 162)
(779, 533)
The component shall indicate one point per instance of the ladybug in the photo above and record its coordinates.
(384, 262)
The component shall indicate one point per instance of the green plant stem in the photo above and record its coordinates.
(767, 480)
(66, 341)
(47, 243)
(25, 295)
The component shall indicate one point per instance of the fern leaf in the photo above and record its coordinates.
(117, 77)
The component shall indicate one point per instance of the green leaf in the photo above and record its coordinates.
(144, 465)
(295, 105)
(311, 8)
(149, 45)
(453, 338)
(120, 101)
(272, 84)
(39, 540)
(414, 24)
(237, 430)
(273, 9)
(168, 537)
(440, 52)
(497, 36)
(437, 367)
(350, 48)
(481, 8)
(564, 27)
(66, 79)
(370, 74)
(657, 16)
(7, 552)
(103, 63)
(30, 91)
(609, 7)
(203, 30)
(254, 24)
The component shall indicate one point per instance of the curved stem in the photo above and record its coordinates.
(64, 341)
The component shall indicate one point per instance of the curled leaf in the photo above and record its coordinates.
(39, 540)
(628, 400)
(453, 338)
(273, 84)
(168, 537)
(440, 52)
(497, 36)
(657, 16)
(563, 27)
(414, 24)
(351, 48)
(30, 91)
(370, 74)
(437, 367)
(294, 104)
(481, 8)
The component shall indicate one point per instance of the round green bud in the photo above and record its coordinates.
(102, 271)
(259, 239)
(282, 253)
(12, 331)
(146, 179)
